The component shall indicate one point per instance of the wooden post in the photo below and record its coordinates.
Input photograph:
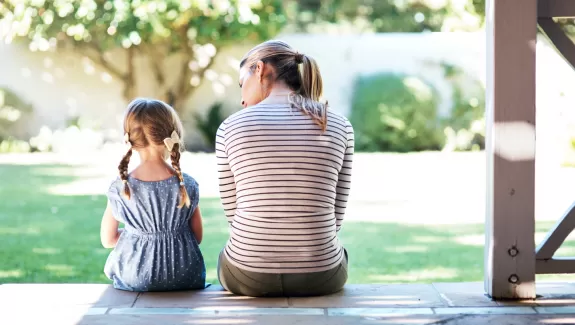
(510, 149)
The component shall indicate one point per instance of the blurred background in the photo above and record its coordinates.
(409, 74)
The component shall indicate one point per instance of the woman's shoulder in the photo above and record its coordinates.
(338, 118)
(339, 122)
(253, 111)
(237, 115)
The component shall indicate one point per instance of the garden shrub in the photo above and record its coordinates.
(394, 112)
(208, 125)
(399, 113)
(465, 125)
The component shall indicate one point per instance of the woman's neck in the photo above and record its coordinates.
(278, 95)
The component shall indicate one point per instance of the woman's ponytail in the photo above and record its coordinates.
(307, 97)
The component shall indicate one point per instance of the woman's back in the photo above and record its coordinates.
(284, 185)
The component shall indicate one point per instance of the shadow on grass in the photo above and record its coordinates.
(55, 238)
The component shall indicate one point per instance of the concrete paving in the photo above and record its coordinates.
(438, 303)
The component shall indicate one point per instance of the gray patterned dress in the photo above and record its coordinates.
(157, 251)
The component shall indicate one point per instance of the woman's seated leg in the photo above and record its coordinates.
(316, 284)
(245, 283)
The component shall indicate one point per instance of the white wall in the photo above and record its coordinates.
(59, 84)
(343, 58)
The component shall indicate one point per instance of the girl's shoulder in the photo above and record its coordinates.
(192, 188)
(115, 186)
(189, 180)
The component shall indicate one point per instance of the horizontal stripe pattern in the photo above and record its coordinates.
(284, 186)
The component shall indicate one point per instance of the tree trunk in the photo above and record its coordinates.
(129, 80)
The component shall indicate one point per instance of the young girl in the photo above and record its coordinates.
(158, 248)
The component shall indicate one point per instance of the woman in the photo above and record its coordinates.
(285, 169)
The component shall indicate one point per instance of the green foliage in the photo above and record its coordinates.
(12, 145)
(154, 29)
(395, 113)
(208, 126)
(13, 111)
(399, 113)
(389, 15)
(465, 125)
(113, 23)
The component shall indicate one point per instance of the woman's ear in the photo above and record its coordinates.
(260, 70)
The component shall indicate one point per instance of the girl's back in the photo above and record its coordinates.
(157, 250)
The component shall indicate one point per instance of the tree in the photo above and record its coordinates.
(191, 32)
(388, 15)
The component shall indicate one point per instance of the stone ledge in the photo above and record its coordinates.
(449, 296)
(425, 304)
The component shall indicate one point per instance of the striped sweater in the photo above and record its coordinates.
(284, 185)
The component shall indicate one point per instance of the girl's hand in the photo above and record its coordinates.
(109, 232)
(196, 225)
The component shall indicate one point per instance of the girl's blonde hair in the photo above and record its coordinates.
(300, 72)
(150, 121)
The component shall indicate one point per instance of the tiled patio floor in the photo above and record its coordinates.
(440, 303)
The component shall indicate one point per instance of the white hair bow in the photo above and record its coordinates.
(172, 140)
(127, 140)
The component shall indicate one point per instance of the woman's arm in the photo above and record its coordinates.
(109, 232)
(196, 225)
(226, 177)
(344, 179)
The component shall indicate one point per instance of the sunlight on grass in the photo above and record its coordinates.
(19, 231)
(11, 274)
(81, 187)
(408, 249)
(60, 269)
(50, 234)
(565, 251)
(473, 240)
(46, 250)
(212, 273)
(426, 239)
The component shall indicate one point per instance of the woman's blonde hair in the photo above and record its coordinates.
(150, 121)
(300, 72)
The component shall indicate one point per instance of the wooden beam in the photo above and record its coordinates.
(557, 235)
(555, 8)
(560, 40)
(510, 149)
(557, 265)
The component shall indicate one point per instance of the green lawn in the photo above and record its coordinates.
(55, 238)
